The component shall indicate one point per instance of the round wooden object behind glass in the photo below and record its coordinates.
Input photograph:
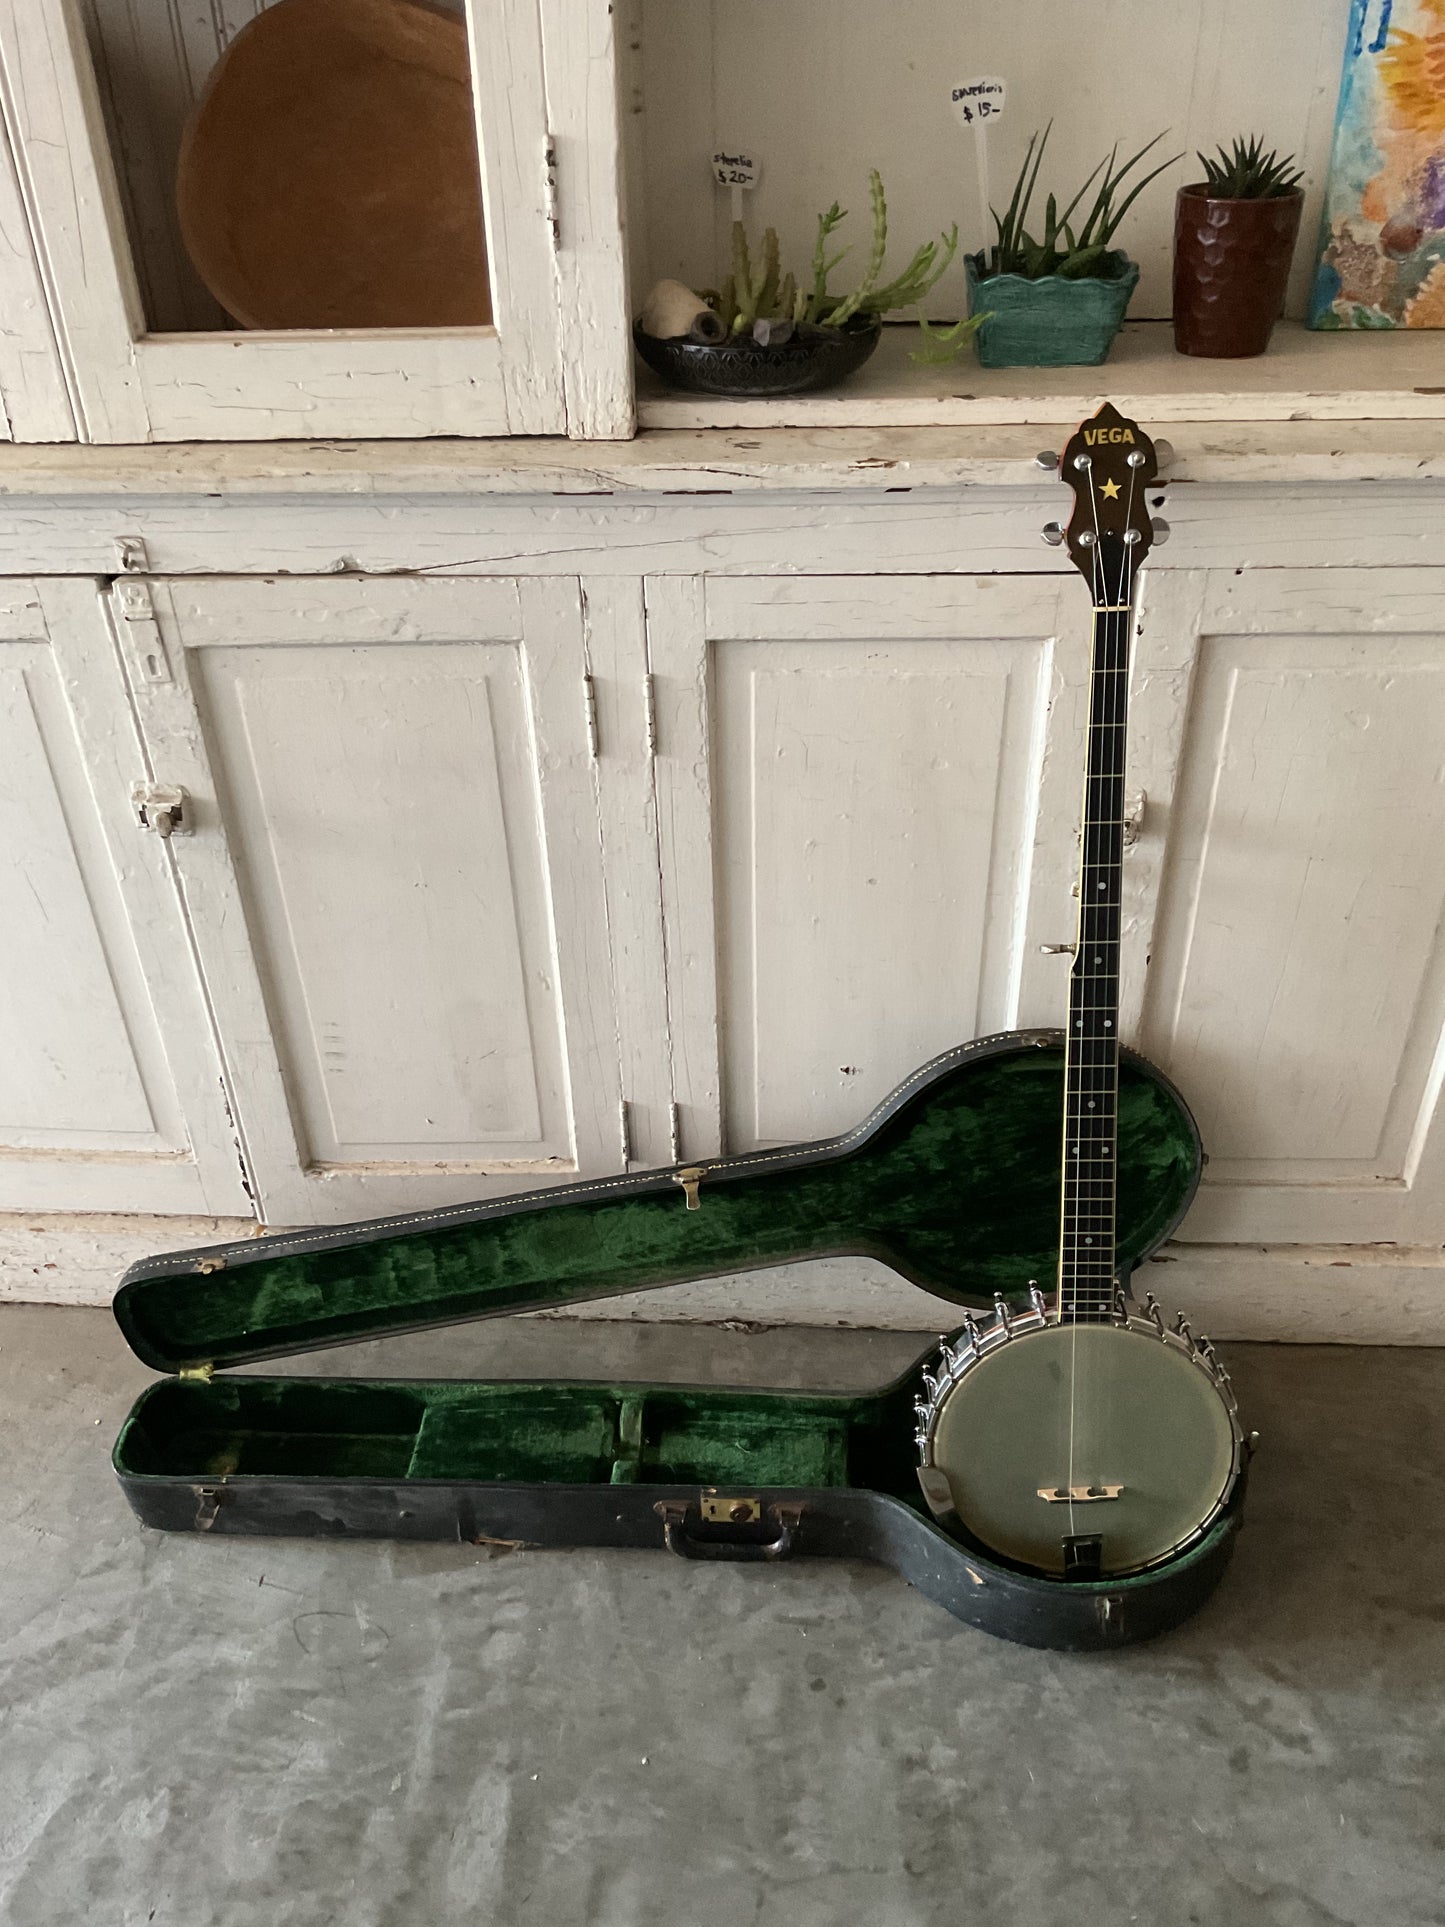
(328, 176)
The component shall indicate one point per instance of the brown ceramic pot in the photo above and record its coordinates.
(1231, 263)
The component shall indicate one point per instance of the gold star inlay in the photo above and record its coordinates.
(1109, 491)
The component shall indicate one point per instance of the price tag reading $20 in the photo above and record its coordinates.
(735, 170)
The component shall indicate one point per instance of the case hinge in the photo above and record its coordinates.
(196, 1374)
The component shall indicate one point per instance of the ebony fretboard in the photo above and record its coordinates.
(1091, 1066)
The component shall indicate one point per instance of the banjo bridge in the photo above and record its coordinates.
(1078, 1494)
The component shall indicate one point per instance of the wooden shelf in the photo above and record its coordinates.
(1396, 375)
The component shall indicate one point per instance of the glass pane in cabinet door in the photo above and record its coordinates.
(308, 164)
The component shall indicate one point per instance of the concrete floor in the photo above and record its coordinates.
(273, 1733)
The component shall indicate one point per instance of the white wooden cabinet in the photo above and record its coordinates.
(111, 1096)
(869, 837)
(626, 825)
(874, 843)
(393, 880)
(1287, 953)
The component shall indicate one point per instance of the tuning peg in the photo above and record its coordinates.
(1057, 949)
(1053, 534)
(1164, 454)
(1046, 458)
(1161, 530)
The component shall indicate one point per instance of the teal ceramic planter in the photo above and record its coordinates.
(1052, 323)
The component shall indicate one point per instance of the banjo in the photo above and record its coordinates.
(1083, 1438)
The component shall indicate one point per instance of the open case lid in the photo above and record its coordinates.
(953, 1181)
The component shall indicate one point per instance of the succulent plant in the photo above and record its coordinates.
(1246, 173)
(755, 291)
(1075, 255)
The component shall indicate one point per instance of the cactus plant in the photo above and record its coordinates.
(755, 291)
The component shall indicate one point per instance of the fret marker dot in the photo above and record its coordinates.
(1088, 1241)
(1108, 1023)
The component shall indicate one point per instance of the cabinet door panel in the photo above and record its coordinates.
(150, 356)
(395, 883)
(1297, 984)
(110, 1096)
(864, 864)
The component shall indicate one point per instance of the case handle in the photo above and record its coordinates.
(737, 1543)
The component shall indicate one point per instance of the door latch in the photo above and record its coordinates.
(138, 631)
(161, 808)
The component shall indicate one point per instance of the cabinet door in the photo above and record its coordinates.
(866, 834)
(98, 92)
(34, 406)
(394, 881)
(110, 1089)
(1288, 955)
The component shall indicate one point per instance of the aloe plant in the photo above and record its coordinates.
(1245, 172)
(755, 291)
(1073, 253)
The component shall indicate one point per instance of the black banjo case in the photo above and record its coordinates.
(953, 1181)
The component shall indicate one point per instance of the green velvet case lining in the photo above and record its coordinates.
(519, 1432)
(956, 1187)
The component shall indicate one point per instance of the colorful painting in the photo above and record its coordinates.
(1382, 249)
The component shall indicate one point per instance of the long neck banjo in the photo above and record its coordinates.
(1081, 1438)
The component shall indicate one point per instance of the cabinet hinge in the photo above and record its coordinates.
(649, 713)
(589, 704)
(549, 187)
(624, 1129)
(138, 631)
(674, 1132)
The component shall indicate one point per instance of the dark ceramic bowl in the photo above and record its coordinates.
(813, 358)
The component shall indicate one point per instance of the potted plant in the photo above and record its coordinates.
(1058, 300)
(1234, 235)
(765, 332)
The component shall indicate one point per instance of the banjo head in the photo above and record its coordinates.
(1039, 1436)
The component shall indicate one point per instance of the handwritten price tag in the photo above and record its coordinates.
(735, 170)
(978, 102)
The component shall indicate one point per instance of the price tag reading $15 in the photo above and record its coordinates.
(735, 170)
(978, 102)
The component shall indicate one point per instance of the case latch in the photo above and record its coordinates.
(690, 1179)
(729, 1509)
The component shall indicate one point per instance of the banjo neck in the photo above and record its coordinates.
(1091, 1051)
(1109, 463)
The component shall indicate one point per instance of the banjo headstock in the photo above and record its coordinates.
(1109, 463)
